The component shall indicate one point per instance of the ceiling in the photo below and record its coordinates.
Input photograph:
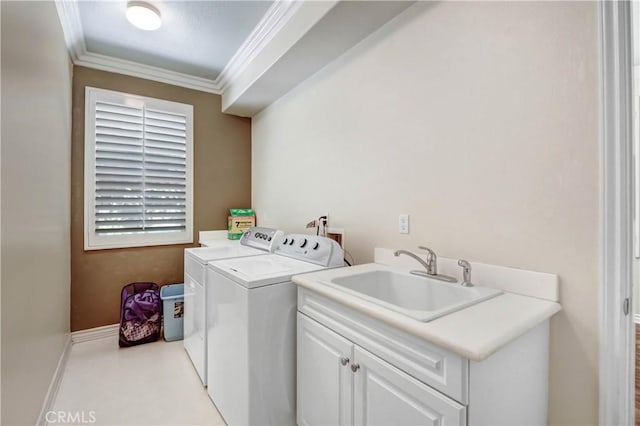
(197, 38)
(251, 52)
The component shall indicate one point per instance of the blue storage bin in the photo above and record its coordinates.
(173, 311)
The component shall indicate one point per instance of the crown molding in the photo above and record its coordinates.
(69, 16)
(271, 23)
(135, 69)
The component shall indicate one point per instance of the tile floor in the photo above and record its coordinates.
(152, 384)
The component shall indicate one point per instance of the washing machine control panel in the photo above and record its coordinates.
(311, 248)
(267, 239)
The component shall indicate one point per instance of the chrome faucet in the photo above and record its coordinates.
(431, 264)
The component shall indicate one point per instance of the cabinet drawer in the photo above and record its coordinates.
(194, 268)
(437, 367)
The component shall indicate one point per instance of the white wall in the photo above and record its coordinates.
(480, 121)
(36, 144)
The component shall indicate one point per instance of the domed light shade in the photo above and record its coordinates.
(143, 15)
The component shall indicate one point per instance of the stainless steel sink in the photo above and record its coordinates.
(421, 298)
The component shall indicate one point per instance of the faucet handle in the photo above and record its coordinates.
(428, 250)
(432, 260)
(466, 273)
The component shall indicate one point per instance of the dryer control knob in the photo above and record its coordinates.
(302, 242)
(316, 246)
(286, 240)
(291, 242)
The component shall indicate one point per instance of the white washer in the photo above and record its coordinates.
(251, 323)
(256, 241)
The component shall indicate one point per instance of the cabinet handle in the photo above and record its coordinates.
(344, 360)
(355, 367)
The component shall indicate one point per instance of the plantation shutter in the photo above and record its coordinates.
(165, 171)
(140, 169)
(119, 175)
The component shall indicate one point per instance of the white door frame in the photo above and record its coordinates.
(616, 206)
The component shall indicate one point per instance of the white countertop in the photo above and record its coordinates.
(475, 332)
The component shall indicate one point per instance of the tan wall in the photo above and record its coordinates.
(222, 180)
(36, 155)
(479, 120)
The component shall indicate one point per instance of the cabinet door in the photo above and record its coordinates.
(324, 376)
(385, 395)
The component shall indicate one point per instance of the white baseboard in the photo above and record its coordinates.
(50, 398)
(75, 337)
(94, 333)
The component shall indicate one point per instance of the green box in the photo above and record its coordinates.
(239, 222)
(242, 212)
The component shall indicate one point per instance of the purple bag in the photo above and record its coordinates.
(140, 314)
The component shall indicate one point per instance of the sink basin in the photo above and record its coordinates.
(420, 298)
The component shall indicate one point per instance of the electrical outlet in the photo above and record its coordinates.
(403, 223)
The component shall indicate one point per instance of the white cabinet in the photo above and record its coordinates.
(353, 369)
(324, 377)
(385, 395)
(339, 383)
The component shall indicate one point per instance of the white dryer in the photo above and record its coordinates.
(215, 239)
(256, 241)
(251, 324)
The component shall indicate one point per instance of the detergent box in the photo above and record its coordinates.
(239, 221)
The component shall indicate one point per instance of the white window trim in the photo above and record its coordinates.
(616, 229)
(92, 241)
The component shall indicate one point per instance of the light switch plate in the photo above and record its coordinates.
(403, 223)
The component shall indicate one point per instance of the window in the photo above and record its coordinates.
(138, 171)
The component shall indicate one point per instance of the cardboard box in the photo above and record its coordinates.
(239, 222)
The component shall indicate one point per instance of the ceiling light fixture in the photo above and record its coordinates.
(143, 15)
